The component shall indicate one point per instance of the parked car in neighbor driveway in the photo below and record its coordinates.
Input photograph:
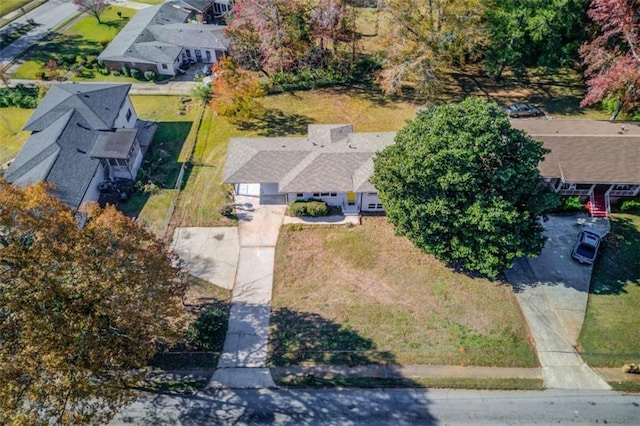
(523, 110)
(586, 248)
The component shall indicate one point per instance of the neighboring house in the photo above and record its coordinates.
(599, 161)
(82, 135)
(163, 37)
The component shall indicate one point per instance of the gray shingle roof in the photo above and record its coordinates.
(305, 165)
(65, 127)
(158, 34)
(581, 151)
(99, 104)
(587, 151)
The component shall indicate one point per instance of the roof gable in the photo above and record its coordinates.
(99, 104)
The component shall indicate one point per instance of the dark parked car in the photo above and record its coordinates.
(523, 110)
(586, 247)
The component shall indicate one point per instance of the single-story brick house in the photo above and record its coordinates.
(598, 161)
(161, 38)
(81, 136)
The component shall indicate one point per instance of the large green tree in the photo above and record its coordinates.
(534, 32)
(82, 309)
(463, 185)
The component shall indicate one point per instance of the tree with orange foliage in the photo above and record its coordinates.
(235, 91)
(82, 309)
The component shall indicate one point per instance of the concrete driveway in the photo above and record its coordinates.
(552, 290)
(243, 360)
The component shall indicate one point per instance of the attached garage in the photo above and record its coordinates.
(257, 189)
(251, 189)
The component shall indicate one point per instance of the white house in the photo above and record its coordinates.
(161, 38)
(82, 135)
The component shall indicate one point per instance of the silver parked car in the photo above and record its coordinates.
(523, 110)
(586, 248)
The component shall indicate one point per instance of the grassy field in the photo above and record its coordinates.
(81, 39)
(610, 333)
(11, 135)
(7, 6)
(360, 295)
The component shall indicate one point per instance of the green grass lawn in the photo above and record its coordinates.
(11, 135)
(172, 142)
(149, 1)
(7, 6)
(610, 334)
(360, 295)
(81, 39)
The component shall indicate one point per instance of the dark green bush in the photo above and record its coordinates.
(208, 331)
(310, 207)
(150, 75)
(630, 206)
(40, 75)
(572, 204)
(125, 71)
(135, 73)
(19, 96)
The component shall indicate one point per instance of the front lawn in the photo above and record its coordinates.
(610, 334)
(11, 135)
(80, 40)
(360, 295)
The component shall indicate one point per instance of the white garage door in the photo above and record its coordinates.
(252, 189)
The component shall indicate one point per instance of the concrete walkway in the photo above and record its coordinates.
(243, 363)
(552, 290)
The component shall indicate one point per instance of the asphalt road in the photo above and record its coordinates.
(385, 406)
(48, 16)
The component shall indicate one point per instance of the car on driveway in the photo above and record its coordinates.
(522, 110)
(586, 248)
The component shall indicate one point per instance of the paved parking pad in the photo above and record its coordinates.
(210, 254)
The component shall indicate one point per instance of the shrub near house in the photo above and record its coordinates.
(310, 207)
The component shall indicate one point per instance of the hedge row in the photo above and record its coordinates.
(309, 207)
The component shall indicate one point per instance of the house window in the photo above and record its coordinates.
(325, 194)
(316, 194)
(129, 114)
(333, 194)
(372, 206)
(164, 66)
(188, 52)
(299, 195)
(378, 206)
(373, 193)
(117, 162)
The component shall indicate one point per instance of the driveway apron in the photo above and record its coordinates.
(552, 290)
(243, 363)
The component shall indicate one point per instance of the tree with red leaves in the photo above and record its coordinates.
(612, 58)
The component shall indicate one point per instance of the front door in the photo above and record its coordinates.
(208, 55)
(198, 55)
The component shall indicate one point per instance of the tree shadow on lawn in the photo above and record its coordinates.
(304, 337)
(617, 265)
(275, 122)
(555, 90)
(201, 346)
(160, 165)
